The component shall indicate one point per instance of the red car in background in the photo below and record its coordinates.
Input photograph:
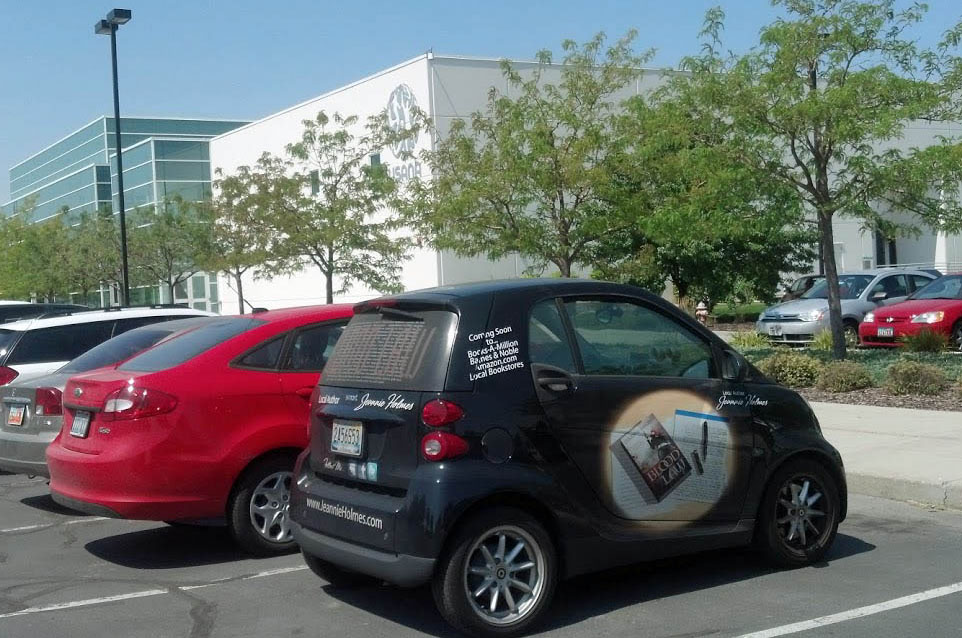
(936, 307)
(202, 428)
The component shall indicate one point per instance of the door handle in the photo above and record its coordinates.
(555, 381)
(304, 393)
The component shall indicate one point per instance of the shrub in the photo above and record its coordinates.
(926, 340)
(844, 376)
(911, 377)
(790, 368)
(749, 339)
(822, 341)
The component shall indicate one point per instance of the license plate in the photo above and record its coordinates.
(15, 417)
(886, 332)
(775, 330)
(80, 425)
(347, 437)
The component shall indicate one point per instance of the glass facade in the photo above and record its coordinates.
(162, 158)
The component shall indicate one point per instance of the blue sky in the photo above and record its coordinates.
(246, 59)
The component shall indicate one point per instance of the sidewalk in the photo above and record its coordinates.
(897, 453)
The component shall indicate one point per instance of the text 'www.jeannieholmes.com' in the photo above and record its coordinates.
(345, 512)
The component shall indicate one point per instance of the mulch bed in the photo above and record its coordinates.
(948, 400)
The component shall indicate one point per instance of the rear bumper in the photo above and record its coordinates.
(24, 453)
(399, 569)
(138, 487)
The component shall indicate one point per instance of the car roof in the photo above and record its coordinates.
(557, 285)
(90, 316)
(874, 272)
(321, 312)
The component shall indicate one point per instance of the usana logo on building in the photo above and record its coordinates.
(400, 116)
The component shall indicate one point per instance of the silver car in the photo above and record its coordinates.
(31, 412)
(799, 320)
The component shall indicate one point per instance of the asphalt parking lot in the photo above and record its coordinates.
(895, 570)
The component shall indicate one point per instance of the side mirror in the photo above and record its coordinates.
(733, 366)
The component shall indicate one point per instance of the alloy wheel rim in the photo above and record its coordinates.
(269, 507)
(504, 575)
(800, 513)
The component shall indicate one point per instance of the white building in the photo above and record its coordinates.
(451, 87)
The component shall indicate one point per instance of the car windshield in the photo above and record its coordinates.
(949, 287)
(849, 286)
(176, 351)
(7, 337)
(128, 344)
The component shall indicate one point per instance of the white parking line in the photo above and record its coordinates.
(146, 592)
(11, 530)
(859, 612)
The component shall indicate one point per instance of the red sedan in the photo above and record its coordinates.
(937, 307)
(202, 428)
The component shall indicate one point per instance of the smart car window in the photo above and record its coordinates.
(60, 343)
(547, 340)
(177, 351)
(312, 347)
(625, 338)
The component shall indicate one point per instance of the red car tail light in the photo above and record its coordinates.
(438, 446)
(131, 402)
(7, 375)
(438, 413)
(48, 402)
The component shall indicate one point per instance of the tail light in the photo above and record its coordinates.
(438, 446)
(131, 402)
(438, 413)
(48, 402)
(7, 375)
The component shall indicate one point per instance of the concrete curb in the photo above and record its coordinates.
(948, 494)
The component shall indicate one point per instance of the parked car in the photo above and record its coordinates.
(17, 310)
(937, 307)
(798, 321)
(494, 438)
(35, 347)
(202, 428)
(31, 410)
(800, 286)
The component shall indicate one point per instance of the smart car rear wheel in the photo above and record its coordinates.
(499, 574)
(799, 516)
(258, 508)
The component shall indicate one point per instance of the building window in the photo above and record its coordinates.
(315, 183)
(376, 159)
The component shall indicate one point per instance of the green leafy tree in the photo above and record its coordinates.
(818, 107)
(167, 244)
(93, 257)
(33, 264)
(238, 242)
(529, 174)
(322, 206)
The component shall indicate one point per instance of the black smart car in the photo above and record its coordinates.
(494, 438)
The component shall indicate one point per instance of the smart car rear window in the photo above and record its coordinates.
(187, 346)
(393, 349)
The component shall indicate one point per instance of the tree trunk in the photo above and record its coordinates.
(564, 266)
(240, 291)
(329, 279)
(826, 237)
(170, 291)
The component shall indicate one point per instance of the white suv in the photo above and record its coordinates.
(34, 347)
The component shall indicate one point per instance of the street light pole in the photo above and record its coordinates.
(109, 26)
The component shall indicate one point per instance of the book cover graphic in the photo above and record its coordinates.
(657, 457)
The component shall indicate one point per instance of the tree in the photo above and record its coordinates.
(528, 174)
(93, 258)
(706, 225)
(33, 263)
(166, 243)
(817, 107)
(323, 206)
(238, 243)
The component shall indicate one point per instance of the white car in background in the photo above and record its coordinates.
(35, 347)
